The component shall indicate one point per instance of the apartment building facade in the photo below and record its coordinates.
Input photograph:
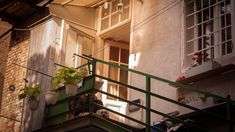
(187, 41)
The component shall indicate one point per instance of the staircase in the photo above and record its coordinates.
(60, 116)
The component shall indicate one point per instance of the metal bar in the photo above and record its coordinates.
(173, 84)
(10, 118)
(83, 56)
(91, 100)
(148, 103)
(229, 115)
(164, 98)
(82, 66)
(107, 125)
(32, 70)
(61, 65)
(68, 67)
(156, 112)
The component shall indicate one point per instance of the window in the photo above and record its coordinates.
(77, 43)
(114, 15)
(208, 31)
(118, 56)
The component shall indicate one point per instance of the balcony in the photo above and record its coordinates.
(65, 114)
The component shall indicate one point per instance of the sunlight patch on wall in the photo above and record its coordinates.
(134, 60)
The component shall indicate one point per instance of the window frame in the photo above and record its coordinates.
(109, 17)
(221, 59)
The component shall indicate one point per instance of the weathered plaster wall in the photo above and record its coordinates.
(156, 49)
(81, 15)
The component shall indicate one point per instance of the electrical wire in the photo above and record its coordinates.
(154, 15)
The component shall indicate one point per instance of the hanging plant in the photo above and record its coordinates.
(31, 92)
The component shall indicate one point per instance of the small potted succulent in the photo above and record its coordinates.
(31, 93)
(70, 77)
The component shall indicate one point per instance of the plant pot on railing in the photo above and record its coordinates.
(31, 93)
(51, 97)
(70, 77)
(70, 89)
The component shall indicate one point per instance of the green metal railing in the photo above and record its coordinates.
(92, 61)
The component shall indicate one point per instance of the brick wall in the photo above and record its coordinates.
(14, 75)
(4, 49)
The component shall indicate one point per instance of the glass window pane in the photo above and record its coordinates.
(105, 23)
(114, 53)
(112, 89)
(105, 12)
(125, 13)
(190, 47)
(190, 21)
(123, 92)
(229, 47)
(126, 2)
(114, 5)
(228, 19)
(86, 47)
(229, 33)
(114, 19)
(124, 56)
(113, 73)
(190, 8)
(190, 34)
(223, 49)
(123, 76)
(205, 3)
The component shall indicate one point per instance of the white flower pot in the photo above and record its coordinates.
(33, 104)
(70, 89)
(51, 97)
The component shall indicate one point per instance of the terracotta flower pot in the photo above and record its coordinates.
(51, 97)
(70, 89)
(33, 104)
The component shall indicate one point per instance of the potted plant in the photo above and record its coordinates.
(51, 96)
(31, 93)
(70, 77)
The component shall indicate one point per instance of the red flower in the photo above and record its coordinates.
(180, 78)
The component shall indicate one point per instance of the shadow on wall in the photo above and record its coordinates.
(42, 55)
(43, 63)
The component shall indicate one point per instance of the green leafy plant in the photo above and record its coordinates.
(67, 76)
(32, 92)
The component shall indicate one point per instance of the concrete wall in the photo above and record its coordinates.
(157, 43)
(156, 49)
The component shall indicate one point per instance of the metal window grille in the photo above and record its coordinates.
(208, 30)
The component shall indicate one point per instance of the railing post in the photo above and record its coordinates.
(148, 103)
(229, 114)
(92, 94)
